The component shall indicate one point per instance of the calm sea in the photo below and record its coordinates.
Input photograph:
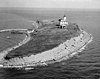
(85, 65)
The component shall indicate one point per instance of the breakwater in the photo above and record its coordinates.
(6, 51)
(57, 54)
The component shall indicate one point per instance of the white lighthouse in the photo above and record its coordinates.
(63, 22)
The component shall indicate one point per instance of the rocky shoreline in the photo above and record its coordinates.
(63, 51)
(57, 54)
(5, 52)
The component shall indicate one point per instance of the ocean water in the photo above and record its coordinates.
(85, 65)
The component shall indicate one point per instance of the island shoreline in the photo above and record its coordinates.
(38, 61)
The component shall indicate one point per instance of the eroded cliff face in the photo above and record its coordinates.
(57, 54)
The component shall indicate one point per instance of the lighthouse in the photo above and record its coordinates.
(63, 22)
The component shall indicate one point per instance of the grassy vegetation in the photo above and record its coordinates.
(45, 38)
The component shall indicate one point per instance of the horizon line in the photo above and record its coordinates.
(49, 8)
(68, 9)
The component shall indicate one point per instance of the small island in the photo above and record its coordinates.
(50, 41)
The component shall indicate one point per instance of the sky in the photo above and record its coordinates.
(91, 4)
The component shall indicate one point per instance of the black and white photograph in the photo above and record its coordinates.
(49, 39)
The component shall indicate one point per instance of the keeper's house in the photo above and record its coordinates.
(63, 22)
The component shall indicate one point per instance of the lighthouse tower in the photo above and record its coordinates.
(63, 22)
(64, 17)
